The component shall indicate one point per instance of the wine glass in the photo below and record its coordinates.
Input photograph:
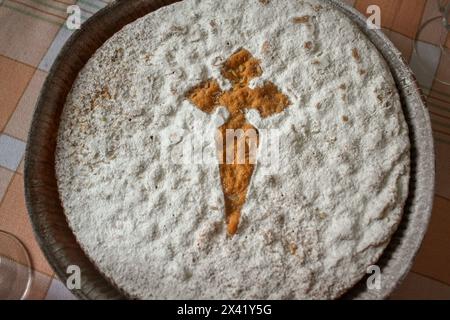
(438, 28)
(15, 269)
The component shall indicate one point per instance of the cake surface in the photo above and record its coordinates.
(319, 209)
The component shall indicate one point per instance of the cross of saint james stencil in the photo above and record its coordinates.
(240, 68)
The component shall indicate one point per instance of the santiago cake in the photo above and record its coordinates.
(166, 209)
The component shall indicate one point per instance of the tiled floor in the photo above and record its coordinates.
(20, 121)
(14, 79)
(425, 74)
(5, 177)
(12, 152)
(405, 23)
(58, 291)
(36, 35)
(418, 287)
(14, 219)
(31, 34)
(430, 35)
(432, 260)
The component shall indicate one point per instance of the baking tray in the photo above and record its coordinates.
(47, 215)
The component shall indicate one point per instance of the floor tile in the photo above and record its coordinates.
(58, 291)
(440, 124)
(388, 9)
(14, 219)
(39, 286)
(91, 5)
(431, 32)
(46, 8)
(447, 44)
(442, 151)
(25, 36)
(88, 8)
(418, 287)
(426, 65)
(20, 168)
(439, 96)
(404, 44)
(443, 73)
(11, 152)
(15, 278)
(5, 178)
(20, 121)
(405, 23)
(433, 259)
(13, 81)
(409, 17)
(350, 2)
(53, 51)
(438, 104)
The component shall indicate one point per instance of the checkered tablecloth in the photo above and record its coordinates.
(31, 35)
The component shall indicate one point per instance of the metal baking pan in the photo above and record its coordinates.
(47, 215)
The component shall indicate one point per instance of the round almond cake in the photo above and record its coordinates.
(234, 150)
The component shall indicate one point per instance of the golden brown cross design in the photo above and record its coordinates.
(239, 69)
